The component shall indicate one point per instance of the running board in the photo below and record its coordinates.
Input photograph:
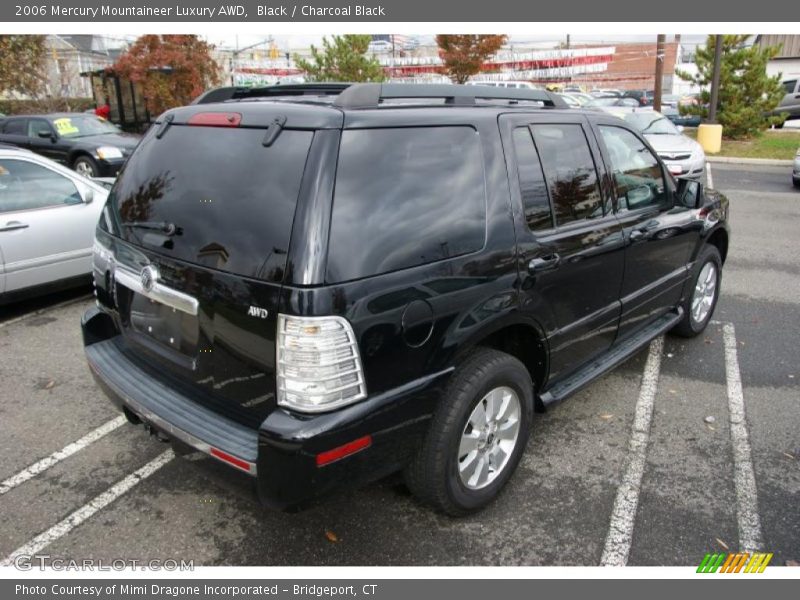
(615, 356)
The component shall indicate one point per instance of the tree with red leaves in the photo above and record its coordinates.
(172, 69)
(464, 55)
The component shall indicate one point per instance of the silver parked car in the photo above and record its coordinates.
(796, 170)
(682, 155)
(48, 215)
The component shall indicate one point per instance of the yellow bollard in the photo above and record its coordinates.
(710, 137)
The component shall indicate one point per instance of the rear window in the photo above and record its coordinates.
(405, 197)
(231, 198)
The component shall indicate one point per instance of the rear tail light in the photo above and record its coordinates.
(318, 364)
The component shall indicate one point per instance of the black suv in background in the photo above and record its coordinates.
(83, 142)
(320, 285)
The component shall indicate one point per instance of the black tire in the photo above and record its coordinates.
(796, 181)
(688, 326)
(433, 474)
(86, 165)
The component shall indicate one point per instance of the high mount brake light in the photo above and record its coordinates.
(216, 119)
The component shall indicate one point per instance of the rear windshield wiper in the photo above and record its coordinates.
(164, 227)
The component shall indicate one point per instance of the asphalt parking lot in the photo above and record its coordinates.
(655, 464)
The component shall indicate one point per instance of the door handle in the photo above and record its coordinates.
(13, 225)
(544, 263)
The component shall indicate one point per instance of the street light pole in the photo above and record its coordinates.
(712, 108)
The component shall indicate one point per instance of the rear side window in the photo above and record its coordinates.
(788, 86)
(569, 171)
(531, 181)
(231, 199)
(405, 197)
(15, 127)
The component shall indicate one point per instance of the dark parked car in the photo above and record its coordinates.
(354, 280)
(88, 144)
(687, 120)
(643, 97)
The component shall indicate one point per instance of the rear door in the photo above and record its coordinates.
(203, 217)
(569, 242)
(15, 131)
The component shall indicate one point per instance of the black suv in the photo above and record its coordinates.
(320, 285)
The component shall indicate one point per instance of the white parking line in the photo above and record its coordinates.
(88, 510)
(709, 178)
(56, 457)
(620, 530)
(750, 537)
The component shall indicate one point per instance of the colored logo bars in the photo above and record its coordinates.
(736, 562)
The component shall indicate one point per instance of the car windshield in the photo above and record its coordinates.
(76, 126)
(651, 123)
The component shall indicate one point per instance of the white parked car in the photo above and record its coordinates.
(517, 85)
(48, 215)
(682, 155)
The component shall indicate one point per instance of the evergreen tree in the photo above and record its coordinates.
(746, 92)
(342, 58)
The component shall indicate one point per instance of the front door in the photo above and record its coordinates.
(659, 235)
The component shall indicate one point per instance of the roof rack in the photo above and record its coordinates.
(370, 95)
(223, 94)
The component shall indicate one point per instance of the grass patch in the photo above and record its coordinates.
(770, 144)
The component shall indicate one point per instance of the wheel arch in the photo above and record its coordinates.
(720, 239)
(523, 339)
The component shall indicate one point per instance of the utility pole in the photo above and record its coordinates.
(660, 55)
(712, 108)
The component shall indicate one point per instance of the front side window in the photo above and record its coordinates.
(405, 197)
(638, 177)
(569, 171)
(37, 127)
(27, 186)
(788, 86)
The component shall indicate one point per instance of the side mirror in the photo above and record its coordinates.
(88, 195)
(681, 128)
(47, 135)
(690, 193)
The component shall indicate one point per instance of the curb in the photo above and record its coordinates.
(774, 162)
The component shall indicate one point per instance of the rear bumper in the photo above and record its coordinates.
(282, 453)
